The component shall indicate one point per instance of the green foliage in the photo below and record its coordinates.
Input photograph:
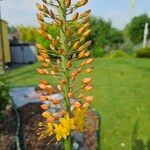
(104, 35)
(144, 52)
(27, 34)
(100, 30)
(136, 28)
(97, 52)
(115, 37)
(4, 93)
(119, 53)
(127, 46)
(52, 30)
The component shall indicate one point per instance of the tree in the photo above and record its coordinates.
(100, 31)
(27, 33)
(136, 28)
(115, 37)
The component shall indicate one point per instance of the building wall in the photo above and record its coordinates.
(23, 53)
(5, 43)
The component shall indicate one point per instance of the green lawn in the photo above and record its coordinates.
(122, 97)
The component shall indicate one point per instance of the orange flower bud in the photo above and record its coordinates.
(81, 3)
(42, 86)
(85, 20)
(44, 107)
(82, 95)
(44, 55)
(55, 69)
(49, 37)
(83, 63)
(89, 99)
(87, 33)
(87, 54)
(40, 17)
(81, 30)
(56, 116)
(63, 112)
(85, 14)
(77, 104)
(68, 32)
(40, 58)
(45, 65)
(69, 64)
(43, 26)
(43, 33)
(47, 60)
(39, 46)
(51, 14)
(82, 48)
(41, 71)
(88, 88)
(45, 9)
(88, 70)
(75, 16)
(86, 80)
(46, 71)
(61, 52)
(52, 73)
(81, 54)
(68, 3)
(46, 114)
(70, 94)
(87, 24)
(76, 45)
(44, 82)
(59, 87)
(39, 7)
(50, 120)
(63, 82)
(88, 43)
(54, 42)
(89, 61)
(55, 101)
(49, 88)
(43, 98)
(61, 23)
(86, 105)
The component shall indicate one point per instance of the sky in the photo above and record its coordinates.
(17, 12)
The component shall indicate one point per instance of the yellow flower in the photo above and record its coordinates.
(60, 132)
(47, 129)
(63, 129)
(67, 123)
(80, 118)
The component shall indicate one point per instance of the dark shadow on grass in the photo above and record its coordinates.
(22, 73)
(138, 143)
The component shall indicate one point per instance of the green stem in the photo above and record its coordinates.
(63, 40)
(67, 143)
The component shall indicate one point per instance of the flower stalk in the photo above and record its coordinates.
(59, 62)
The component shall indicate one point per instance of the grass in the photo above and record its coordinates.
(122, 97)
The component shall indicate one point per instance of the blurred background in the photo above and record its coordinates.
(121, 48)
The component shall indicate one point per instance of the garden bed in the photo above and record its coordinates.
(8, 129)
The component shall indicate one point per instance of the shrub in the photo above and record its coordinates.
(119, 53)
(97, 52)
(4, 93)
(144, 52)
